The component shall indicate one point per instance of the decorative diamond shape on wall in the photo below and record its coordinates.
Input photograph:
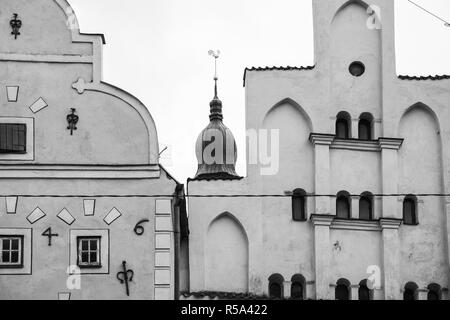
(112, 216)
(36, 215)
(38, 105)
(65, 216)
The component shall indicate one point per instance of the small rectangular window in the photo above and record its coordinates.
(11, 249)
(13, 138)
(89, 252)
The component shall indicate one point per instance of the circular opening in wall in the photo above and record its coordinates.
(357, 69)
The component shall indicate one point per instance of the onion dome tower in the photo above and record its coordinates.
(216, 147)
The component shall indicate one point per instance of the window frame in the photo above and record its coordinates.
(82, 265)
(20, 264)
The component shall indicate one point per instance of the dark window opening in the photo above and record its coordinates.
(13, 138)
(365, 208)
(343, 207)
(276, 282)
(299, 205)
(357, 68)
(342, 130)
(365, 130)
(434, 292)
(342, 291)
(364, 293)
(410, 211)
(298, 287)
(411, 292)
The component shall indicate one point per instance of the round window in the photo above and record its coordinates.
(357, 69)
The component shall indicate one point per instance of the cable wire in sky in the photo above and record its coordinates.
(447, 24)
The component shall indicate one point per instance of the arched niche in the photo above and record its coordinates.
(294, 148)
(226, 255)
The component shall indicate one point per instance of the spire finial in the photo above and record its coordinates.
(215, 55)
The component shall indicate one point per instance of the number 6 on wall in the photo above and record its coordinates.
(139, 229)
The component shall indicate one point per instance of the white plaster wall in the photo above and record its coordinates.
(424, 248)
(226, 255)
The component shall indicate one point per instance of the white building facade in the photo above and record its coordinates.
(87, 211)
(364, 161)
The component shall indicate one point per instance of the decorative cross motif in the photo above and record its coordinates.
(15, 24)
(72, 119)
(125, 276)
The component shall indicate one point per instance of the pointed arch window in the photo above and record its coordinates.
(342, 291)
(298, 287)
(299, 205)
(366, 206)
(276, 282)
(343, 205)
(410, 216)
(411, 291)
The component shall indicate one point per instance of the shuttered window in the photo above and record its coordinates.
(13, 138)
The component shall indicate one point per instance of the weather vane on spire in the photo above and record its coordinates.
(216, 55)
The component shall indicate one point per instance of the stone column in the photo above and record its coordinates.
(389, 165)
(322, 255)
(355, 208)
(322, 144)
(391, 258)
(287, 289)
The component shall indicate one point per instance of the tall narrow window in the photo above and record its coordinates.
(364, 293)
(342, 291)
(366, 207)
(434, 292)
(410, 216)
(276, 282)
(411, 291)
(298, 287)
(13, 138)
(365, 127)
(343, 122)
(299, 205)
(343, 205)
(11, 251)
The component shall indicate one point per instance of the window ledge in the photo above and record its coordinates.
(363, 225)
(360, 145)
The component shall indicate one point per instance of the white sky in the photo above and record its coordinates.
(158, 51)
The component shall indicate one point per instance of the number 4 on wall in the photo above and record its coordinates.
(48, 233)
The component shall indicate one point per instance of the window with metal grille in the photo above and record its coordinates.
(13, 138)
(11, 248)
(89, 252)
